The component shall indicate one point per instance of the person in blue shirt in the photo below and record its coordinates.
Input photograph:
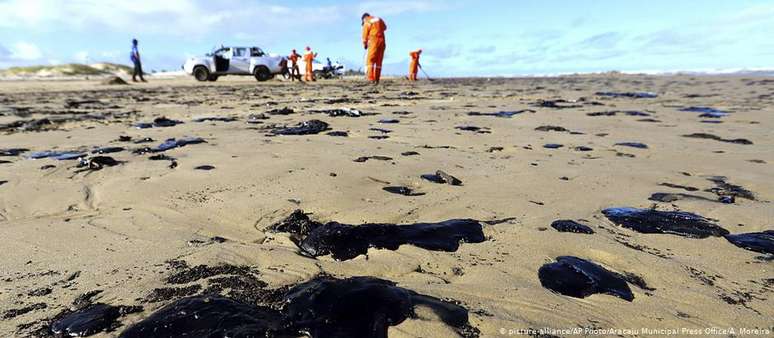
(137, 64)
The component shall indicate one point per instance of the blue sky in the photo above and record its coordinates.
(460, 38)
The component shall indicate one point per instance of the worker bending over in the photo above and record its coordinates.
(373, 41)
(414, 65)
(308, 59)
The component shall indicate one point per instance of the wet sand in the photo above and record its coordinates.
(567, 155)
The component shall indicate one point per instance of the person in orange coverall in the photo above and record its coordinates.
(308, 59)
(295, 73)
(373, 41)
(414, 65)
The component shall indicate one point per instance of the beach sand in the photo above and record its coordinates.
(65, 232)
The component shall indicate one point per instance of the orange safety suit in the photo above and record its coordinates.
(414, 64)
(373, 39)
(308, 59)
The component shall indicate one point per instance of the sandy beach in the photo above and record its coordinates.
(124, 228)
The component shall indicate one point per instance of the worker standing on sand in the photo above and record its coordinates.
(309, 58)
(295, 73)
(414, 65)
(135, 56)
(374, 42)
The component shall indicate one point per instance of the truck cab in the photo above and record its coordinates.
(235, 61)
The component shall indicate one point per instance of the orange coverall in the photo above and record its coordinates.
(308, 59)
(414, 65)
(373, 38)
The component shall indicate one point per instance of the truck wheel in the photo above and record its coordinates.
(262, 73)
(201, 73)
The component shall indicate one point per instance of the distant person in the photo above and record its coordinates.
(329, 64)
(137, 63)
(374, 42)
(295, 73)
(414, 65)
(309, 59)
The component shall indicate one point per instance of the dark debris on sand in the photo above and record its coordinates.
(442, 177)
(723, 188)
(632, 145)
(198, 272)
(566, 225)
(303, 128)
(341, 112)
(12, 313)
(478, 130)
(91, 320)
(668, 197)
(402, 190)
(616, 112)
(632, 95)
(97, 162)
(159, 122)
(280, 111)
(168, 293)
(337, 133)
(344, 241)
(551, 128)
(556, 104)
(375, 157)
(762, 242)
(322, 307)
(170, 144)
(13, 151)
(580, 278)
(679, 186)
(82, 318)
(107, 150)
(214, 119)
(651, 221)
(718, 138)
(504, 114)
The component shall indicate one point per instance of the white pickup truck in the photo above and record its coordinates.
(236, 61)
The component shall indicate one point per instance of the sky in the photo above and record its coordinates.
(459, 37)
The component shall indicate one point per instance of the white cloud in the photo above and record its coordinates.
(167, 17)
(484, 49)
(113, 54)
(753, 14)
(25, 51)
(139, 15)
(82, 57)
(385, 8)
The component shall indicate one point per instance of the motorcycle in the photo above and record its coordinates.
(334, 71)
